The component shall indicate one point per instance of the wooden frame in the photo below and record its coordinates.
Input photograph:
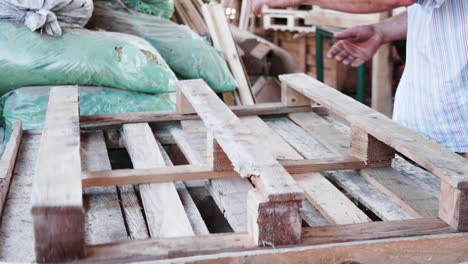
(273, 204)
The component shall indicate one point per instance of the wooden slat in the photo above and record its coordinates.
(191, 17)
(104, 220)
(222, 40)
(153, 175)
(106, 120)
(17, 240)
(230, 195)
(196, 221)
(8, 160)
(350, 181)
(57, 202)
(241, 146)
(401, 189)
(163, 208)
(230, 243)
(451, 167)
(330, 202)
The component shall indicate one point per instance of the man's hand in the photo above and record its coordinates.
(357, 45)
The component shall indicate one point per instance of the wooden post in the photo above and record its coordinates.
(273, 223)
(291, 97)
(182, 105)
(57, 202)
(366, 147)
(453, 206)
(216, 156)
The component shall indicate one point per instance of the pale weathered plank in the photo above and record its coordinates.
(110, 120)
(402, 190)
(449, 166)
(17, 240)
(238, 245)
(163, 208)
(194, 216)
(57, 202)
(222, 39)
(240, 145)
(104, 219)
(229, 194)
(350, 181)
(7, 161)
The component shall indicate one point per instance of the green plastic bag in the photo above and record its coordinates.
(159, 8)
(80, 57)
(189, 55)
(29, 104)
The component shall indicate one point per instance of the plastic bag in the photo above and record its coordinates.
(188, 54)
(160, 8)
(29, 104)
(48, 15)
(81, 57)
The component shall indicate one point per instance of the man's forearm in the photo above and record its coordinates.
(394, 28)
(359, 6)
(351, 6)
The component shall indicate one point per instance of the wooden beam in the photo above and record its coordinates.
(368, 148)
(163, 208)
(104, 222)
(246, 155)
(222, 40)
(449, 166)
(57, 202)
(108, 120)
(239, 245)
(8, 160)
(291, 97)
(453, 207)
(203, 172)
(310, 144)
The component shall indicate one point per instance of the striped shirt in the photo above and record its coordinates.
(432, 98)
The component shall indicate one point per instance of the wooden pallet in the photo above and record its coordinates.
(258, 171)
(288, 19)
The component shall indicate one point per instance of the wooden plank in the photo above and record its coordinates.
(404, 191)
(330, 202)
(17, 240)
(230, 195)
(191, 17)
(240, 145)
(238, 244)
(196, 221)
(449, 166)
(222, 40)
(57, 202)
(350, 181)
(164, 211)
(104, 222)
(108, 120)
(368, 148)
(8, 160)
(401, 189)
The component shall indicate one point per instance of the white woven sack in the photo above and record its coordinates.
(47, 15)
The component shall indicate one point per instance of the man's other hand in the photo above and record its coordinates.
(357, 45)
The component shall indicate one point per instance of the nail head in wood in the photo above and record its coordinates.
(291, 97)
